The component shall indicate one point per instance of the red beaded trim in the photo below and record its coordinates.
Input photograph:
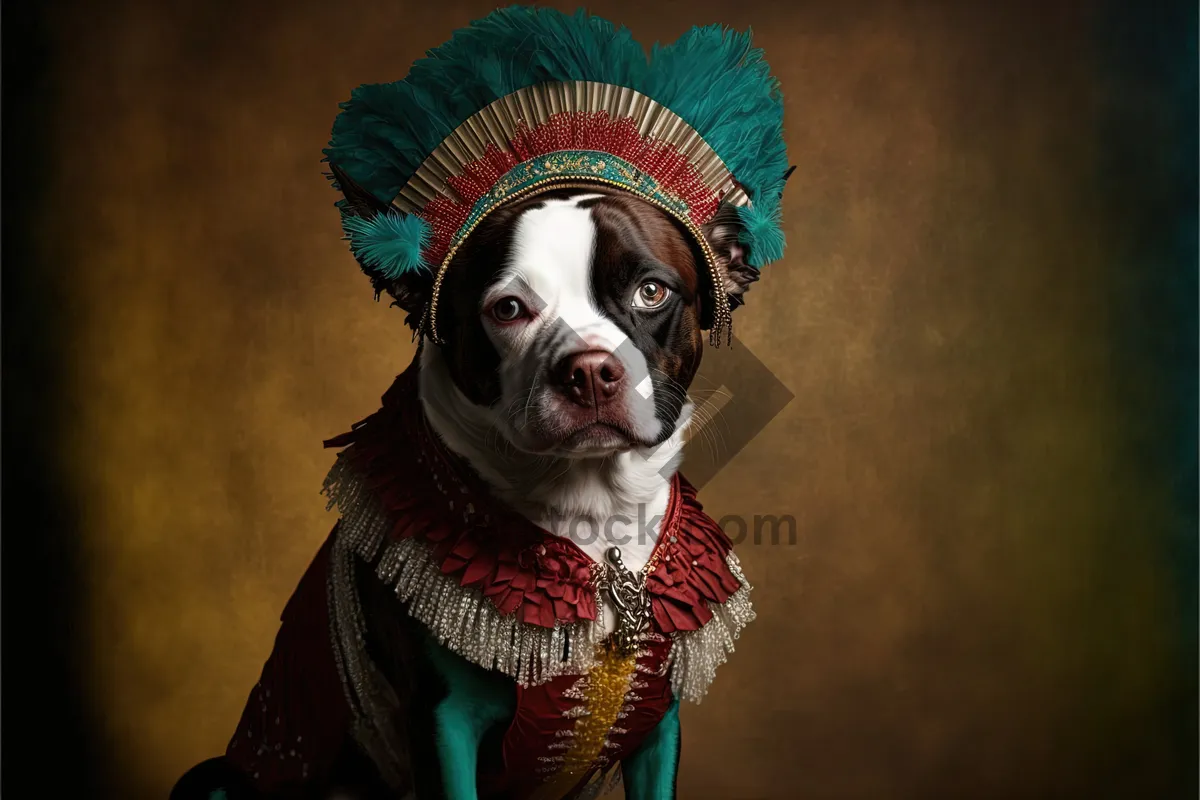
(578, 130)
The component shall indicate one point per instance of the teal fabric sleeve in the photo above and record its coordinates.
(649, 774)
(475, 700)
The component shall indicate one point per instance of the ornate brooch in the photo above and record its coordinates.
(630, 601)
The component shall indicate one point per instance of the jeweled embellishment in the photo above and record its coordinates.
(604, 692)
(619, 151)
(630, 602)
(569, 164)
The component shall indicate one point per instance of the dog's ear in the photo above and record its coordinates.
(410, 288)
(724, 235)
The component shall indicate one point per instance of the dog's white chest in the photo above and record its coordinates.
(634, 532)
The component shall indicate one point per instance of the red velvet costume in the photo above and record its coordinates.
(516, 575)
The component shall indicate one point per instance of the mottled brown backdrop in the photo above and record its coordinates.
(981, 601)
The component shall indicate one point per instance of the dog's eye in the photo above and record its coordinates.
(507, 309)
(650, 294)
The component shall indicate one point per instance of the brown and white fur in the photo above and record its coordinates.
(572, 327)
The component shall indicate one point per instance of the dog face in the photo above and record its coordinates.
(573, 319)
(575, 316)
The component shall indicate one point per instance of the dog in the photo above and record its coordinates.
(572, 325)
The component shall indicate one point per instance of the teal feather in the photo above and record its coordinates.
(711, 77)
(761, 233)
(722, 86)
(388, 245)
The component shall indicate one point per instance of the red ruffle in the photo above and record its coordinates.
(693, 571)
(522, 569)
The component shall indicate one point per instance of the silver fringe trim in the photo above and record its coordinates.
(460, 618)
(467, 623)
(372, 701)
(696, 655)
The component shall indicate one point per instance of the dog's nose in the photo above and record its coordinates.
(590, 378)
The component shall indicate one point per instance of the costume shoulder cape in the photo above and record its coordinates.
(502, 592)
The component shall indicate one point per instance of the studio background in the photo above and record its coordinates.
(986, 314)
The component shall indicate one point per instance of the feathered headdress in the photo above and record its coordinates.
(530, 99)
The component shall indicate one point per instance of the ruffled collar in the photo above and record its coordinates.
(430, 495)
